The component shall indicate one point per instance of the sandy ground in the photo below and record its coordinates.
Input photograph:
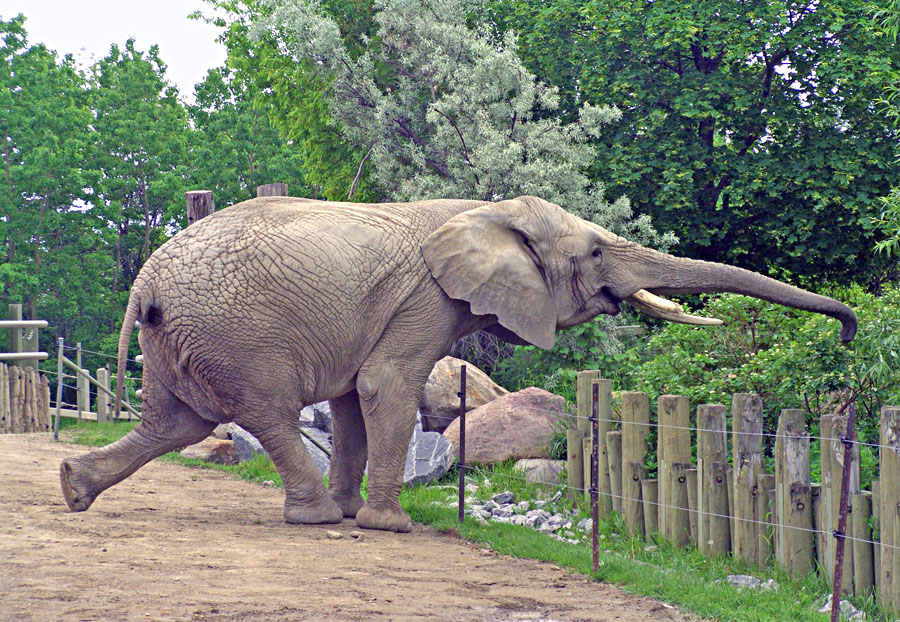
(173, 543)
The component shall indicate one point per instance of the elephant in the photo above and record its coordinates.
(276, 303)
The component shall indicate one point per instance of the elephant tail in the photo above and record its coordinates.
(131, 313)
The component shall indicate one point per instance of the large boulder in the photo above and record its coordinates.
(515, 426)
(440, 400)
(245, 443)
(213, 450)
(428, 457)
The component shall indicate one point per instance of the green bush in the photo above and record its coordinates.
(793, 359)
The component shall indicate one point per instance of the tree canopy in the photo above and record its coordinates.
(747, 128)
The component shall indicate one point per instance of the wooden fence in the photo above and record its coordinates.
(725, 502)
(24, 400)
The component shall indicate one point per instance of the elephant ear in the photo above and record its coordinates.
(486, 257)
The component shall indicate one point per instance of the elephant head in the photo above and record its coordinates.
(538, 268)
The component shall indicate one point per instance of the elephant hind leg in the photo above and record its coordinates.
(84, 477)
(306, 501)
(348, 460)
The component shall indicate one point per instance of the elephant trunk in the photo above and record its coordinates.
(664, 275)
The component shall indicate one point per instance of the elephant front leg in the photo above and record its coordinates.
(389, 397)
(348, 461)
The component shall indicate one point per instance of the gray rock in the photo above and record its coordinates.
(522, 507)
(848, 611)
(319, 457)
(221, 432)
(316, 416)
(541, 471)
(585, 525)
(506, 511)
(428, 458)
(245, 443)
(753, 583)
(503, 498)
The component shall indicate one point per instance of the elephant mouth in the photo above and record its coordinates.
(609, 301)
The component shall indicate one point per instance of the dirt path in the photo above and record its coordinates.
(172, 543)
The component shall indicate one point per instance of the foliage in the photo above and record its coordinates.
(294, 99)
(443, 110)
(51, 254)
(234, 131)
(792, 359)
(737, 117)
(141, 130)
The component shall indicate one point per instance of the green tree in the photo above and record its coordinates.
(54, 256)
(295, 99)
(141, 130)
(747, 127)
(234, 147)
(443, 110)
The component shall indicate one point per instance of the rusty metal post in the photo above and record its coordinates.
(461, 467)
(848, 439)
(595, 472)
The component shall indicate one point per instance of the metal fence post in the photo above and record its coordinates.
(462, 442)
(848, 439)
(595, 471)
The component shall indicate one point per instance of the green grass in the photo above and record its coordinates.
(679, 576)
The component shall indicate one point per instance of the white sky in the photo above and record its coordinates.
(87, 28)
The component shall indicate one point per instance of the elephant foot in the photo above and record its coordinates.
(349, 504)
(306, 514)
(79, 491)
(392, 519)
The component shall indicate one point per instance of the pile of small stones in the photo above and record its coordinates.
(502, 508)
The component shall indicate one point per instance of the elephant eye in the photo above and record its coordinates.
(597, 252)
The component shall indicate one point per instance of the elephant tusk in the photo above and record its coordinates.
(654, 305)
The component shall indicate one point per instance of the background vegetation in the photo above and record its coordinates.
(761, 134)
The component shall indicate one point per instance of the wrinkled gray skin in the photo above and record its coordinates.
(275, 303)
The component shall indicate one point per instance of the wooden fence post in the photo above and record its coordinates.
(200, 204)
(793, 497)
(28, 412)
(4, 400)
(712, 449)
(746, 426)
(272, 190)
(45, 404)
(765, 510)
(604, 393)
(889, 489)
(574, 463)
(16, 421)
(678, 522)
(577, 432)
(825, 518)
(614, 451)
(635, 428)
(693, 505)
(863, 551)
(876, 518)
(84, 393)
(650, 496)
(674, 446)
(103, 402)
